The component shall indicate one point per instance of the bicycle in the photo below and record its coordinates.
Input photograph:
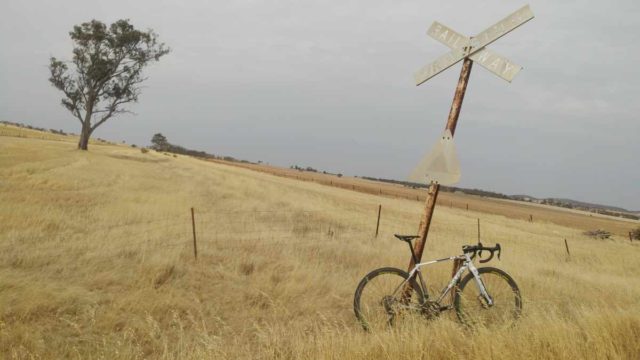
(388, 294)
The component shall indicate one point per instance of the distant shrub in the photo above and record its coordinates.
(134, 146)
(635, 234)
(175, 156)
(598, 234)
(59, 132)
(144, 150)
(339, 175)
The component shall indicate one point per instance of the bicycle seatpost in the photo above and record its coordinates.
(413, 254)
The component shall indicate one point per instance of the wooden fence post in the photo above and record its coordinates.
(530, 218)
(467, 207)
(193, 226)
(566, 245)
(378, 223)
(478, 230)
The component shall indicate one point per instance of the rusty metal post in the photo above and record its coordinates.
(434, 188)
(193, 226)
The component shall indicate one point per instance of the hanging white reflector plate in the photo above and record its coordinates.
(440, 165)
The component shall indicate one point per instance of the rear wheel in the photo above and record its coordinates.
(380, 300)
(473, 309)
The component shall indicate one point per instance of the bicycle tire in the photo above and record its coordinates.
(471, 307)
(371, 305)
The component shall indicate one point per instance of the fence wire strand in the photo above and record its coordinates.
(173, 232)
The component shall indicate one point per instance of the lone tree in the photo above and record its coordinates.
(108, 64)
(159, 142)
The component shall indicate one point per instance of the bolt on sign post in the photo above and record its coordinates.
(469, 50)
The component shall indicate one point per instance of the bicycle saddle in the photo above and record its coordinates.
(406, 238)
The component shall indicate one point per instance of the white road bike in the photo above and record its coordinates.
(388, 295)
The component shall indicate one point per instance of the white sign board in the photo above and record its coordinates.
(441, 165)
(474, 48)
(491, 61)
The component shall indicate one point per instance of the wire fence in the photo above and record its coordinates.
(200, 230)
(209, 232)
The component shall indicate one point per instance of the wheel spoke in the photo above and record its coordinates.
(473, 308)
(379, 305)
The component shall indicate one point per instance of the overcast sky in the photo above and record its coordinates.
(329, 84)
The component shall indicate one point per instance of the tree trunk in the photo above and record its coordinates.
(83, 144)
(84, 138)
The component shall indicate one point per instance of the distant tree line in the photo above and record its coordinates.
(310, 169)
(614, 213)
(25, 126)
(299, 168)
(414, 185)
(160, 143)
(491, 194)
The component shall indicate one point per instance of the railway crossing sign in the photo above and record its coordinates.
(475, 48)
(469, 50)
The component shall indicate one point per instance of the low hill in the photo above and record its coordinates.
(97, 261)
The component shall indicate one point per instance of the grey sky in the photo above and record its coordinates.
(329, 84)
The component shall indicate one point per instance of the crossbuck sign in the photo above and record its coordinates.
(475, 48)
(469, 50)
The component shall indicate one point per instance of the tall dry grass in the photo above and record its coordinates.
(95, 262)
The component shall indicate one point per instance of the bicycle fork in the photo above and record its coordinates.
(483, 290)
(476, 275)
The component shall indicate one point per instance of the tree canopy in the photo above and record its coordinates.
(108, 64)
(159, 142)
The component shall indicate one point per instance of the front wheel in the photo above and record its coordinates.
(380, 298)
(472, 307)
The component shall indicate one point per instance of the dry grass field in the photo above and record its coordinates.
(509, 208)
(96, 262)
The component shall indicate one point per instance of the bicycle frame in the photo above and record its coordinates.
(467, 264)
